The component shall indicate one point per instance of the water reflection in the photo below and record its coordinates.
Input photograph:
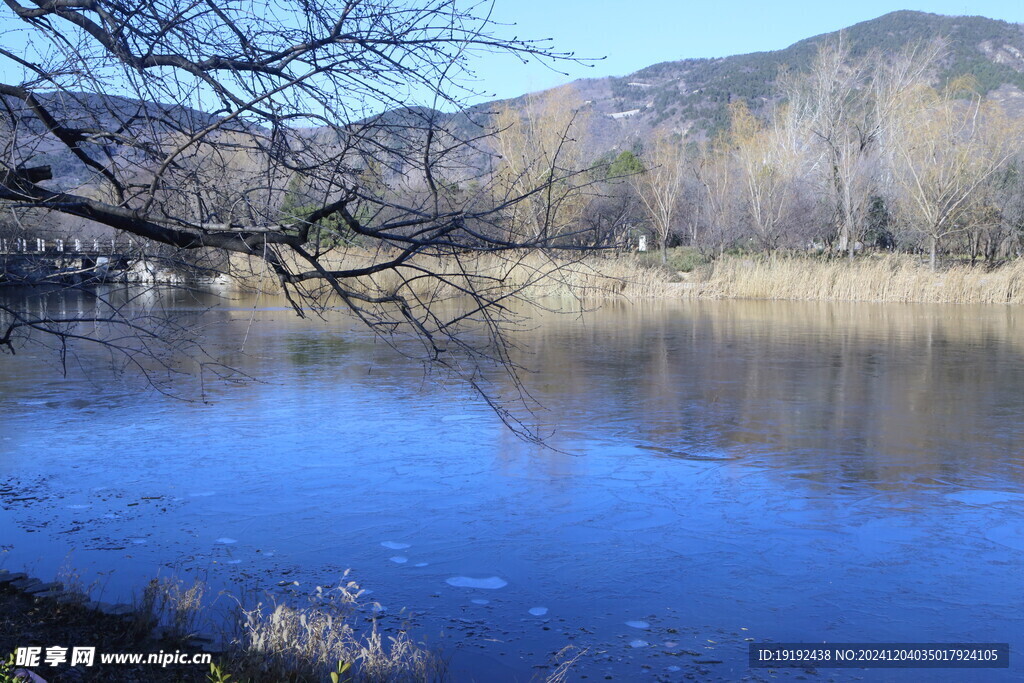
(724, 470)
(887, 395)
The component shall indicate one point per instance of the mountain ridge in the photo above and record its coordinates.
(693, 94)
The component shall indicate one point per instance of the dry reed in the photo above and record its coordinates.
(526, 274)
(279, 642)
(169, 603)
(891, 278)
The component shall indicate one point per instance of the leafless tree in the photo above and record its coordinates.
(187, 123)
(849, 107)
(660, 186)
(999, 234)
(769, 159)
(542, 139)
(717, 199)
(831, 102)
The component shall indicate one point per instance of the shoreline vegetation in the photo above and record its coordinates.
(875, 278)
(330, 635)
(312, 641)
(889, 278)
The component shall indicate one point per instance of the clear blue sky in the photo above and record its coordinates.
(633, 34)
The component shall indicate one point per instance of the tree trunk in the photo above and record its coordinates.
(934, 255)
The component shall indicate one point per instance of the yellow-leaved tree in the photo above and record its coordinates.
(950, 144)
(540, 144)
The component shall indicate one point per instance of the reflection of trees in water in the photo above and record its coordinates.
(129, 329)
(881, 394)
(887, 395)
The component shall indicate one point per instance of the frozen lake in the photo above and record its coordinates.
(724, 471)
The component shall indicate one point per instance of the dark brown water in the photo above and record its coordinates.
(726, 471)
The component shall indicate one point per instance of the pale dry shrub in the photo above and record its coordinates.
(279, 642)
(396, 659)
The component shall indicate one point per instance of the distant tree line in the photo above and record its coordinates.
(862, 153)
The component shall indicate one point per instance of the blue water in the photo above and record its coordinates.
(723, 472)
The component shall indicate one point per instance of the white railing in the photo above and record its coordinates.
(42, 245)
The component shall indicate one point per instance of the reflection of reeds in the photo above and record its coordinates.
(892, 278)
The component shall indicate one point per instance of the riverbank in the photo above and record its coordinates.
(29, 620)
(156, 639)
(883, 278)
(879, 278)
(70, 269)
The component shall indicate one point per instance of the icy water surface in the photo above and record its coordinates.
(725, 473)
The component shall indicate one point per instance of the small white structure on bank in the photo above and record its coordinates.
(641, 244)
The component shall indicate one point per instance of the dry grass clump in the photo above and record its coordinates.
(71, 579)
(169, 603)
(890, 278)
(283, 643)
